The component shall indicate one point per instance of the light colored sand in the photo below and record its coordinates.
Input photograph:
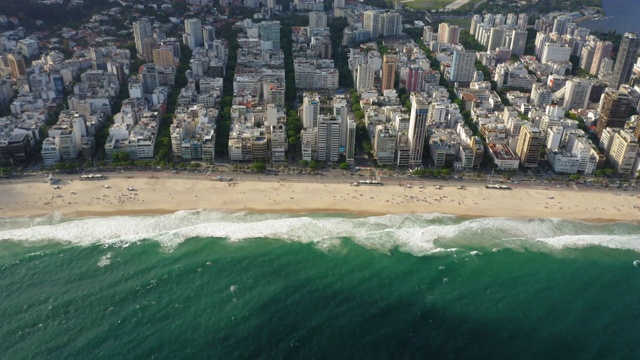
(170, 195)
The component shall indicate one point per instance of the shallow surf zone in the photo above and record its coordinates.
(417, 234)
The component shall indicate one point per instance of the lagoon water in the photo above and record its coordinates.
(201, 284)
(622, 16)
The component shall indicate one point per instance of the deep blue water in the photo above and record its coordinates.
(622, 16)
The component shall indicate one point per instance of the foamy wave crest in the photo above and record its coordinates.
(418, 234)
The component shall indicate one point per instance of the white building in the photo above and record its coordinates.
(310, 110)
(463, 65)
(555, 52)
(371, 22)
(576, 94)
(623, 153)
(193, 36)
(563, 162)
(29, 48)
(503, 157)
(364, 78)
(50, 152)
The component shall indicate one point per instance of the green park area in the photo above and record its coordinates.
(464, 23)
(440, 4)
(427, 4)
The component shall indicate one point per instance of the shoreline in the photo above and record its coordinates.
(165, 195)
(292, 211)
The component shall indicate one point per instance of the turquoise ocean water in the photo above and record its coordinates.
(200, 284)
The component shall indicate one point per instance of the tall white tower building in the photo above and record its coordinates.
(417, 128)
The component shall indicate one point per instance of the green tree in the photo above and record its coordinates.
(303, 163)
(258, 166)
(313, 165)
(446, 172)
(344, 166)
(120, 157)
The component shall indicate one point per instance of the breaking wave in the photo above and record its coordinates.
(417, 234)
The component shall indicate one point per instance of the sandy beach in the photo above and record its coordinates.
(155, 195)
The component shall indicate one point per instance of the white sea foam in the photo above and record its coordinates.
(105, 260)
(418, 234)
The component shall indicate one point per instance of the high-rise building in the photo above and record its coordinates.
(270, 31)
(603, 50)
(463, 65)
(614, 110)
(350, 151)
(560, 24)
(476, 20)
(148, 45)
(341, 112)
(518, 42)
(384, 144)
(496, 38)
(328, 138)
(576, 95)
(624, 151)
(523, 21)
(529, 145)
(555, 52)
(193, 31)
(417, 128)
(448, 34)
(390, 24)
(606, 69)
(597, 89)
(310, 110)
(364, 77)
(17, 65)
(412, 77)
(141, 31)
(389, 64)
(164, 56)
(326, 49)
(6, 92)
(627, 56)
(427, 35)
(338, 4)
(371, 22)
(317, 19)
(540, 95)
(586, 57)
(208, 34)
